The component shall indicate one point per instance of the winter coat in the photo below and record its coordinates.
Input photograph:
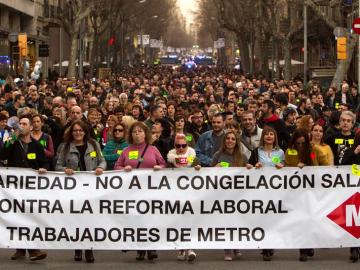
(112, 152)
(71, 158)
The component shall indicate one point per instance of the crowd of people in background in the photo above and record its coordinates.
(160, 117)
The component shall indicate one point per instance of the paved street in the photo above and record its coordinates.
(324, 259)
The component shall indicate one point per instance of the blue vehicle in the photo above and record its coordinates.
(203, 60)
(170, 60)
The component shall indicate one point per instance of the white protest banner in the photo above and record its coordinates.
(214, 208)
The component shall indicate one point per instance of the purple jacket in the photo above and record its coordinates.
(131, 155)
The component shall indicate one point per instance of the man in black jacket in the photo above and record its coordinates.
(272, 120)
(25, 152)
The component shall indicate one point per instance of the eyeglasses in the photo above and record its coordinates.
(78, 130)
(118, 130)
(180, 145)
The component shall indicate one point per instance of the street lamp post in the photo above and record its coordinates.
(305, 44)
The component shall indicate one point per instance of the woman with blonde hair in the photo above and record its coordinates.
(183, 156)
(268, 154)
(128, 120)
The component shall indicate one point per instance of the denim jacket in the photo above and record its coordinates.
(205, 149)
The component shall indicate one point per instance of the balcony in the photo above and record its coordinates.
(51, 14)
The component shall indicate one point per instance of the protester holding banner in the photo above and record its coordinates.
(343, 139)
(115, 146)
(140, 154)
(268, 154)
(26, 152)
(183, 156)
(352, 156)
(80, 152)
(210, 142)
(317, 140)
(43, 138)
(299, 154)
(230, 154)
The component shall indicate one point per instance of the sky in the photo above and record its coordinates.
(187, 7)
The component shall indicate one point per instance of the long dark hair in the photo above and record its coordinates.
(68, 136)
(305, 152)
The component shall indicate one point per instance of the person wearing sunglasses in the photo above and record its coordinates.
(299, 154)
(183, 156)
(115, 146)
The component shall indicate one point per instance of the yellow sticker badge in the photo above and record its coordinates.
(133, 155)
(190, 159)
(355, 170)
(31, 155)
(351, 141)
(119, 152)
(292, 152)
(93, 154)
(339, 141)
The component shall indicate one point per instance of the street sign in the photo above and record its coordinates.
(339, 32)
(356, 26)
(13, 37)
(43, 50)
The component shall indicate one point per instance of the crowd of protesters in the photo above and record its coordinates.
(160, 117)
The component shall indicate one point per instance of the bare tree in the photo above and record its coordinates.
(343, 65)
(73, 13)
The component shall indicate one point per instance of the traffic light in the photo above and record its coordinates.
(43, 50)
(341, 48)
(22, 39)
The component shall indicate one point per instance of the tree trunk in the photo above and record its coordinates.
(94, 50)
(277, 60)
(122, 44)
(244, 53)
(343, 65)
(287, 58)
(73, 54)
(265, 56)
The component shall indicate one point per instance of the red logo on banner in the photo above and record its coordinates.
(347, 215)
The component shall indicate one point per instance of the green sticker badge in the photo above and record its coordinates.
(276, 159)
(188, 138)
(43, 142)
(224, 164)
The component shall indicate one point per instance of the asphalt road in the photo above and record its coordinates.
(207, 260)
